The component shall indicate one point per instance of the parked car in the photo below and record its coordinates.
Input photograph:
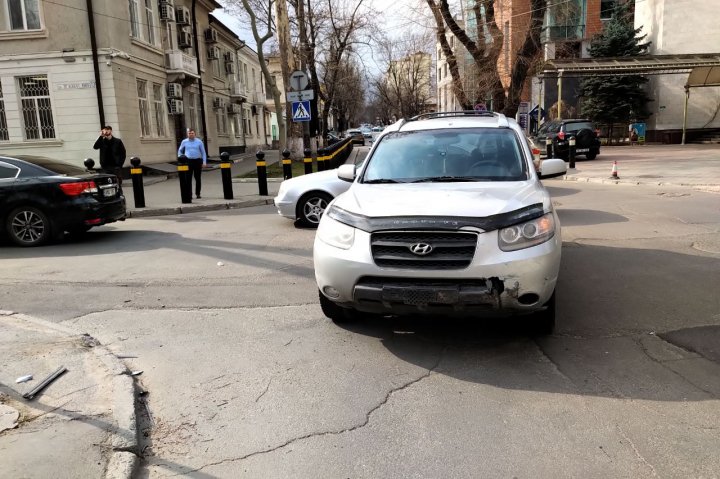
(41, 199)
(332, 138)
(357, 136)
(448, 216)
(367, 132)
(587, 143)
(304, 198)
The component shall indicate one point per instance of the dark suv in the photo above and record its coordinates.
(587, 143)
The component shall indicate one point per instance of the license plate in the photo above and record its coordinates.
(582, 150)
(109, 192)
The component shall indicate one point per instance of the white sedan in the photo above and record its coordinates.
(304, 198)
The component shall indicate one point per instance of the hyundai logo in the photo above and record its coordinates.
(421, 249)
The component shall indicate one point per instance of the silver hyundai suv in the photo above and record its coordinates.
(446, 216)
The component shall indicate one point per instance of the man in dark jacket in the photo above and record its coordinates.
(112, 152)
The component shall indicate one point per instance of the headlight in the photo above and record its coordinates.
(335, 234)
(525, 235)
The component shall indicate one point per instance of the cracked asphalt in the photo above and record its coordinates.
(246, 378)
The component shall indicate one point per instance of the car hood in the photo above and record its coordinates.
(477, 200)
(317, 178)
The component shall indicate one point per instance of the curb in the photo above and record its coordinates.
(709, 187)
(144, 213)
(124, 442)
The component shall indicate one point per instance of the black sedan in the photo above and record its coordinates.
(42, 199)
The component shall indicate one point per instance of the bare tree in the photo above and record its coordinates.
(260, 17)
(485, 50)
(404, 89)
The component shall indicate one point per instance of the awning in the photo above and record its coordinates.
(703, 76)
(644, 65)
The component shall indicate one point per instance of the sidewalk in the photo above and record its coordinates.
(82, 424)
(694, 166)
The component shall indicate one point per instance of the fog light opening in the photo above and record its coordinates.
(528, 299)
(331, 292)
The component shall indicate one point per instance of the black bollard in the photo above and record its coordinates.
(308, 161)
(549, 147)
(261, 173)
(185, 179)
(136, 173)
(89, 164)
(287, 164)
(226, 173)
(321, 157)
(571, 152)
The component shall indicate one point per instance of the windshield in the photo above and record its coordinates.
(477, 154)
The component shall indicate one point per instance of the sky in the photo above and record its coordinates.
(396, 18)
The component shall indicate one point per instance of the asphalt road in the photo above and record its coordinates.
(247, 378)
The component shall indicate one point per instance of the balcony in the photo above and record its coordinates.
(561, 33)
(177, 61)
(237, 90)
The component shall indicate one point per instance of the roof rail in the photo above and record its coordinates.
(444, 114)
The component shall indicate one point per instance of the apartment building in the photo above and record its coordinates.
(150, 69)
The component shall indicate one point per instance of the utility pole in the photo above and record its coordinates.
(287, 61)
(303, 63)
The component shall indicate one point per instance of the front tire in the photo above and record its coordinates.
(592, 155)
(28, 226)
(311, 207)
(336, 313)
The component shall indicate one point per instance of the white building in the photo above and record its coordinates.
(679, 27)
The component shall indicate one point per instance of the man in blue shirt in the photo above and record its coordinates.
(194, 150)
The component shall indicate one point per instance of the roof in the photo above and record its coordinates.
(452, 119)
(644, 65)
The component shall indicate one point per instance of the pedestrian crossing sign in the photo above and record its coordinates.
(301, 111)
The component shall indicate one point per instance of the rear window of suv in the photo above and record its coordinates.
(574, 127)
(466, 154)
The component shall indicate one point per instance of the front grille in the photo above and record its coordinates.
(450, 250)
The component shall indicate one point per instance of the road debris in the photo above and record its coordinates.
(45, 383)
(126, 356)
(220, 263)
(8, 417)
(24, 379)
(136, 373)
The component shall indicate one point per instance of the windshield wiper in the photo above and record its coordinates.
(439, 179)
(381, 180)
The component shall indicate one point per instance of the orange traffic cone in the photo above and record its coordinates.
(614, 174)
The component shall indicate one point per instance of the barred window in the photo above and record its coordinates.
(134, 18)
(143, 106)
(159, 110)
(3, 121)
(23, 14)
(36, 108)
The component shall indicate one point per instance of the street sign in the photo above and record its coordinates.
(301, 95)
(298, 80)
(301, 111)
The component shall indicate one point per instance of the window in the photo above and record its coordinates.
(257, 125)
(8, 171)
(36, 108)
(216, 65)
(190, 112)
(142, 21)
(3, 120)
(23, 14)
(134, 19)
(237, 126)
(246, 121)
(159, 110)
(221, 119)
(143, 107)
(149, 23)
(607, 8)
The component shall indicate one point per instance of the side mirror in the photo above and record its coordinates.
(346, 173)
(552, 168)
